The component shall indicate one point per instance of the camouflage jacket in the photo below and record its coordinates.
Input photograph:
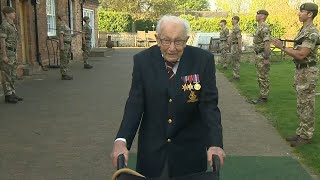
(66, 31)
(236, 33)
(224, 34)
(308, 37)
(262, 35)
(87, 30)
(10, 33)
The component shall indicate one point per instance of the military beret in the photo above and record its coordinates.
(86, 18)
(263, 12)
(223, 21)
(7, 10)
(236, 18)
(309, 7)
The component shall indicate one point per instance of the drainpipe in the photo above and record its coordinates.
(81, 3)
(38, 54)
(69, 12)
(0, 13)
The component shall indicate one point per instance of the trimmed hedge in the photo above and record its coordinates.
(122, 22)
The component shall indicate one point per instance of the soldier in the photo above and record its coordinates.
(8, 62)
(65, 39)
(304, 55)
(261, 42)
(224, 33)
(235, 41)
(86, 42)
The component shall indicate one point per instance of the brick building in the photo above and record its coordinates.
(36, 23)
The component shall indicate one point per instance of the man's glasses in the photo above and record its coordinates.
(167, 42)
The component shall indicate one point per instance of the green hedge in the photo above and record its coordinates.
(122, 22)
(114, 21)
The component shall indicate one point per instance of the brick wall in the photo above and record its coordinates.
(25, 22)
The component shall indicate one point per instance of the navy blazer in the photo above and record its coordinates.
(172, 128)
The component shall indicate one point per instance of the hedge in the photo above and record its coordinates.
(122, 22)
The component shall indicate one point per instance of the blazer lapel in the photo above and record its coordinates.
(184, 68)
(160, 67)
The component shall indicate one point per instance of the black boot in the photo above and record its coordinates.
(17, 97)
(87, 66)
(10, 99)
(66, 77)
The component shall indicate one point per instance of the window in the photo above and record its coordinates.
(71, 15)
(51, 17)
(9, 3)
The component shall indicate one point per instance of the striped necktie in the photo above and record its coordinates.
(169, 66)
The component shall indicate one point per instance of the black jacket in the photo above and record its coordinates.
(154, 99)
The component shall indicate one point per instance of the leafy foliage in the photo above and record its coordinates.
(114, 21)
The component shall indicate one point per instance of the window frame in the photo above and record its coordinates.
(51, 18)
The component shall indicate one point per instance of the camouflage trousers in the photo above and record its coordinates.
(262, 75)
(224, 50)
(65, 57)
(9, 73)
(86, 50)
(235, 60)
(305, 85)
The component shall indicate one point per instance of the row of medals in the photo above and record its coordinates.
(195, 78)
(191, 87)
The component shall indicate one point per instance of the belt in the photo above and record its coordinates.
(306, 65)
(223, 40)
(12, 49)
(234, 43)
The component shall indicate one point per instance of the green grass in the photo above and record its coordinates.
(281, 107)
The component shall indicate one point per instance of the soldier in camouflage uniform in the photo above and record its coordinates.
(86, 42)
(65, 39)
(306, 74)
(8, 61)
(235, 41)
(261, 43)
(224, 33)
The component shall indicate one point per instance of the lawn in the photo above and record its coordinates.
(281, 107)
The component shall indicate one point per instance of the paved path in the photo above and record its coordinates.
(65, 129)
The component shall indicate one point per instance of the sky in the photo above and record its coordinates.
(212, 7)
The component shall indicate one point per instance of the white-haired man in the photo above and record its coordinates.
(173, 97)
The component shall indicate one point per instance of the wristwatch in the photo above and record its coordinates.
(283, 48)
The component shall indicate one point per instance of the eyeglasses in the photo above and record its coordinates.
(167, 42)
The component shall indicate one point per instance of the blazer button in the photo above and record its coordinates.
(169, 140)
(170, 100)
(169, 121)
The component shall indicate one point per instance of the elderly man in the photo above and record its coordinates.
(174, 98)
(306, 75)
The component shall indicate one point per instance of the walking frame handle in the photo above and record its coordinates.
(121, 161)
(216, 165)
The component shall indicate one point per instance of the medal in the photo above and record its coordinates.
(185, 86)
(190, 79)
(192, 97)
(197, 85)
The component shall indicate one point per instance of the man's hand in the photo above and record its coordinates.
(217, 151)
(277, 43)
(5, 59)
(119, 147)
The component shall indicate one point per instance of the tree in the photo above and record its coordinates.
(234, 6)
(192, 5)
(140, 9)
